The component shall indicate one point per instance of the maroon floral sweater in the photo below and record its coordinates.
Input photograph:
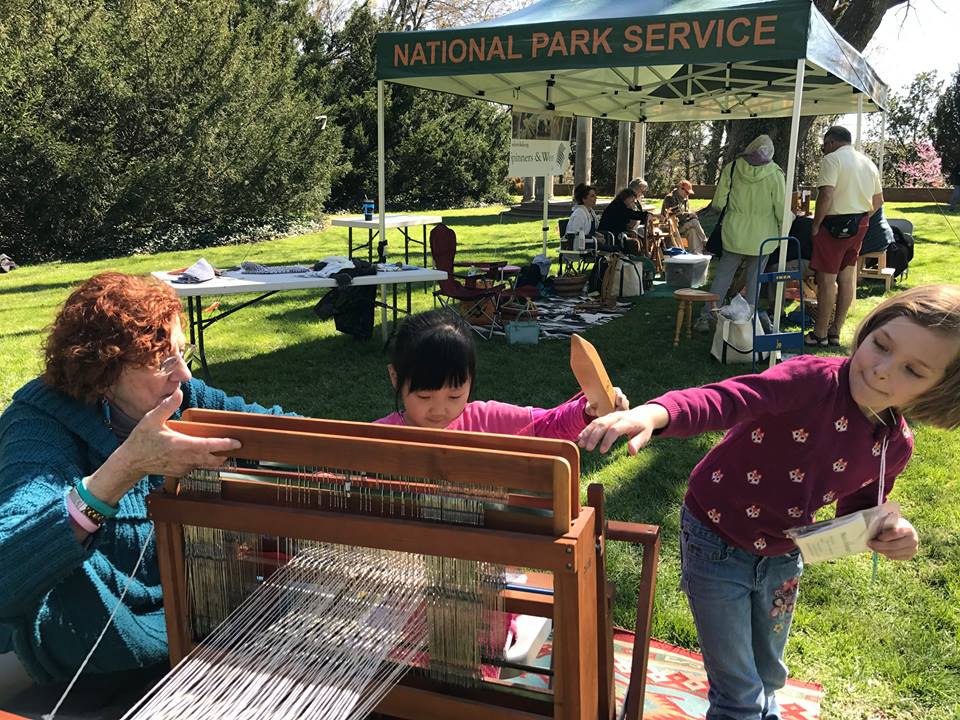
(796, 442)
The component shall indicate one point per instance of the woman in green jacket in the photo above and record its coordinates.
(751, 188)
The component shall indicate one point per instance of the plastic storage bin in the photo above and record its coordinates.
(686, 271)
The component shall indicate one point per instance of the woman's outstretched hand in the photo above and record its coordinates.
(637, 424)
(154, 449)
(620, 403)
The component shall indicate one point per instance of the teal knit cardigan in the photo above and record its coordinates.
(56, 594)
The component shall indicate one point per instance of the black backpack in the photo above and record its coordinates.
(900, 253)
(529, 275)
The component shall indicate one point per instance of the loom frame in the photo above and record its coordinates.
(571, 545)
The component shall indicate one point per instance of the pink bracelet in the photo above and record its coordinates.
(79, 518)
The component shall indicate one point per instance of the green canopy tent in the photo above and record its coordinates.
(642, 61)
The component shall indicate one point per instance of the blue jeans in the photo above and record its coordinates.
(742, 605)
(725, 269)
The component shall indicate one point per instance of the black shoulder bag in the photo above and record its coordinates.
(714, 244)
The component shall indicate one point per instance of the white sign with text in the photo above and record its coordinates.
(538, 158)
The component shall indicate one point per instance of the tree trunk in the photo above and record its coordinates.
(742, 132)
(714, 148)
(856, 21)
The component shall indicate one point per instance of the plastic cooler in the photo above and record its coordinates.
(686, 271)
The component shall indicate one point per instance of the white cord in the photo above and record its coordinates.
(52, 714)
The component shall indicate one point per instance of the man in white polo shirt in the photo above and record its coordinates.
(849, 193)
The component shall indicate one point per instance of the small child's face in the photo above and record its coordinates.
(435, 408)
(897, 363)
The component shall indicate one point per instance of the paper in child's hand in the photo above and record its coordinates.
(842, 536)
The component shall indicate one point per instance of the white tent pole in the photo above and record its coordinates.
(883, 142)
(546, 211)
(859, 144)
(642, 166)
(381, 162)
(381, 190)
(635, 160)
(788, 198)
(623, 156)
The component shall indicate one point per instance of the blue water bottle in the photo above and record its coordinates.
(368, 208)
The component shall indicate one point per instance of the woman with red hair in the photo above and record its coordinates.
(80, 448)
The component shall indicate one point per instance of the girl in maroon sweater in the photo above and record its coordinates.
(808, 432)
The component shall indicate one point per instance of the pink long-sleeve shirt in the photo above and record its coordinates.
(563, 422)
(796, 442)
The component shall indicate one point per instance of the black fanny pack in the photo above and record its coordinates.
(843, 226)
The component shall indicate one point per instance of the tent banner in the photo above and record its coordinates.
(539, 144)
(538, 158)
(710, 37)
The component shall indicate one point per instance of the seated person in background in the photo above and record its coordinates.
(879, 234)
(802, 230)
(583, 218)
(639, 188)
(677, 203)
(620, 213)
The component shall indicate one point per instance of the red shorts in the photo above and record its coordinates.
(830, 255)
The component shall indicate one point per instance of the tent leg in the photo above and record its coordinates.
(859, 144)
(883, 143)
(788, 197)
(546, 212)
(623, 156)
(381, 195)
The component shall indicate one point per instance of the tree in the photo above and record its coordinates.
(441, 150)
(669, 158)
(908, 126)
(856, 21)
(945, 124)
(925, 171)
(137, 126)
(711, 166)
(421, 14)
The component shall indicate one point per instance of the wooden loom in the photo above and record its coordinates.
(541, 525)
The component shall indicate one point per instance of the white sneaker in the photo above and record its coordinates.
(702, 325)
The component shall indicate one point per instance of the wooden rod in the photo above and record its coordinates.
(466, 465)
(507, 548)
(484, 441)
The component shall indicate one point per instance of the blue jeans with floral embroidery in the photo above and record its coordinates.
(742, 605)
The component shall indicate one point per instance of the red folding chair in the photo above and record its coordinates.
(480, 306)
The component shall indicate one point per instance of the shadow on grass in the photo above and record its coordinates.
(491, 218)
(36, 332)
(935, 209)
(37, 287)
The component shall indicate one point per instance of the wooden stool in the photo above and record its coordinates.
(878, 272)
(686, 298)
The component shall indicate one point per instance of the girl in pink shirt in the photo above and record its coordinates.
(801, 435)
(433, 369)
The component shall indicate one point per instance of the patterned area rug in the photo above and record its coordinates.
(561, 317)
(677, 683)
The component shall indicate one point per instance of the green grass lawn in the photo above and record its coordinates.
(882, 650)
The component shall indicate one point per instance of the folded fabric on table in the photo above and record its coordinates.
(341, 269)
(199, 272)
(328, 267)
(252, 268)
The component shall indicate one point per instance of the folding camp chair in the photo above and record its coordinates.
(478, 298)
